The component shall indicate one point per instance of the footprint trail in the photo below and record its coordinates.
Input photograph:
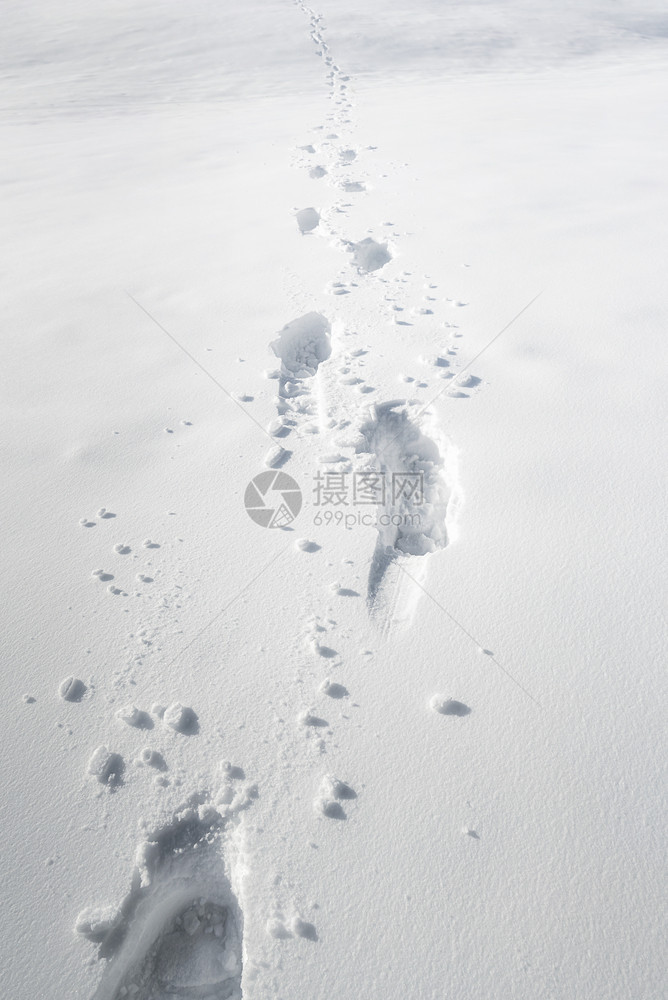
(179, 931)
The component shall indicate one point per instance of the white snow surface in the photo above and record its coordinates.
(340, 757)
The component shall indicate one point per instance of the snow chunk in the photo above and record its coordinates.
(333, 788)
(327, 801)
(302, 928)
(191, 922)
(276, 457)
(332, 689)
(179, 718)
(132, 716)
(309, 718)
(95, 922)
(106, 766)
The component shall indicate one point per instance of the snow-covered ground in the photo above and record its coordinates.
(409, 748)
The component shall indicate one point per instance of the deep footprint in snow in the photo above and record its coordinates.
(413, 496)
(178, 933)
(370, 255)
(302, 345)
(307, 220)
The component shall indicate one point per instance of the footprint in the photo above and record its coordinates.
(415, 498)
(179, 931)
(303, 345)
(370, 255)
(307, 220)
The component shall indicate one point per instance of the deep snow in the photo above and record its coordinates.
(254, 242)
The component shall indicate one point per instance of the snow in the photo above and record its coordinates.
(294, 742)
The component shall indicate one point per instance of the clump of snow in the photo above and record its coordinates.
(132, 716)
(276, 457)
(95, 922)
(330, 794)
(180, 718)
(308, 717)
(332, 689)
(106, 766)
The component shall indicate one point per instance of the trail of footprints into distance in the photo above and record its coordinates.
(382, 438)
(179, 929)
